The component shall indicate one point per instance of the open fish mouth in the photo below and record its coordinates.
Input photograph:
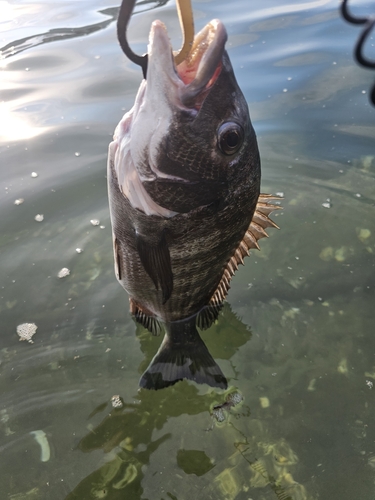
(167, 91)
(193, 78)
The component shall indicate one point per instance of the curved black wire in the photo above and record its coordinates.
(358, 51)
(123, 19)
(348, 17)
(363, 61)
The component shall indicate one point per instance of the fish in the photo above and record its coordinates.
(185, 204)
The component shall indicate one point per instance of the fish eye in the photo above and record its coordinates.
(230, 138)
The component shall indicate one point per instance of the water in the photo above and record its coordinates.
(296, 337)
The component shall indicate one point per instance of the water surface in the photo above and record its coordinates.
(296, 337)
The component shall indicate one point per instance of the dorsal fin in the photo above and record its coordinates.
(145, 318)
(255, 232)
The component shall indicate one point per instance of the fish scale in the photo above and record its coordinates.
(195, 275)
(183, 226)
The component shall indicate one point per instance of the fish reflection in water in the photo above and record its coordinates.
(185, 202)
(130, 435)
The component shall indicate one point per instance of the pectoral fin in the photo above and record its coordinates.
(118, 269)
(157, 262)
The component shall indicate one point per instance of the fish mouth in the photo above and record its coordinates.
(192, 79)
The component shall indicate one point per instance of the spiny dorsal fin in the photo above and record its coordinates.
(255, 232)
(145, 318)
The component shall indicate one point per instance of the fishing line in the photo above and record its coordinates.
(369, 23)
(185, 15)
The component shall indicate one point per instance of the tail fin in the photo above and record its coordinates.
(182, 355)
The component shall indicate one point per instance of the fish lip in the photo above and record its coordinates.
(198, 72)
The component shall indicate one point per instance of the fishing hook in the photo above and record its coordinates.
(367, 63)
(348, 17)
(185, 15)
(123, 19)
(358, 51)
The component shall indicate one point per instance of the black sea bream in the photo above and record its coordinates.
(183, 181)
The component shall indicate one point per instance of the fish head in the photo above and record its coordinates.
(188, 141)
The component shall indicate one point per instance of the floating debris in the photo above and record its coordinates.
(227, 483)
(102, 227)
(95, 222)
(41, 439)
(218, 414)
(130, 475)
(343, 366)
(327, 204)
(367, 162)
(261, 477)
(340, 254)
(369, 384)
(116, 401)
(39, 217)
(232, 399)
(363, 234)
(79, 250)
(311, 386)
(34, 174)
(63, 272)
(77, 153)
(327, 254)
(264, 402)
(290, 314)
(126, 444)
(19, 201)
(26, 331)
(343, 253)
(33, 494)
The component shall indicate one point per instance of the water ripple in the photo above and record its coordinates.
(58, 34)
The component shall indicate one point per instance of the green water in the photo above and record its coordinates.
(296, 337)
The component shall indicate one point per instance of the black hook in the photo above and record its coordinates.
(348, 17)
(124, 16)
(367, 63)
(358, 51)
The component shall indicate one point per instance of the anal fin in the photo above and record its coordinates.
(208, 315)
(145, 318)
